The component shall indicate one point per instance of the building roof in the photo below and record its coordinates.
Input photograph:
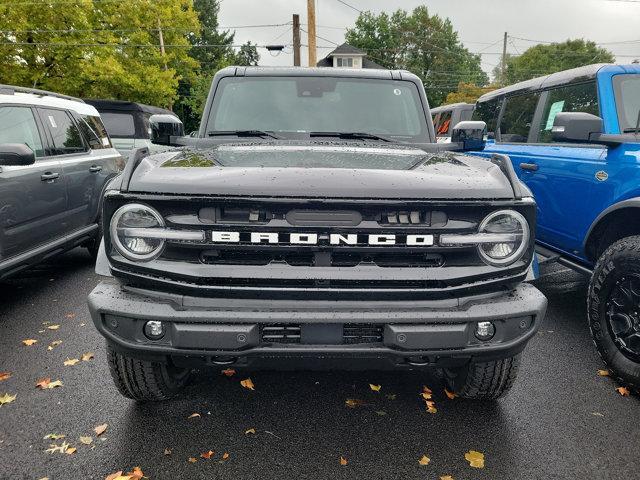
(346, 49)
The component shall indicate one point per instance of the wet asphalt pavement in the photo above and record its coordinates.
(561, 420)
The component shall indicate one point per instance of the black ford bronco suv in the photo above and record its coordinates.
(315, 223)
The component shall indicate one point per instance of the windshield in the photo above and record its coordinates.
(319, 104)
(627, 89)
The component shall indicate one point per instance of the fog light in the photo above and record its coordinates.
(485, 331)
(154, 330)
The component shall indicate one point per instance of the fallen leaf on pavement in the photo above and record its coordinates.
(353, 402)
(54, 344)
(70, 315)
(446, 477)
(251, 431)
(53, 436)
(53, 327)
(424, 460)
(225, 456)
(247, 383)
(624, 391)
(450, 395)
(343, 461)
(116, 476)
(29, 342)
(229, 372)
(71, 450)
(431, 407)
(69, 362)
(100, 429)
(426, 396)
(136, 474)
(195, 415)
(4, 375)
(597, 414)
(391, 396)
(475, 459)
(192, 460)
(62, 448)
(167, 451)
(46, 383)
(207, 455)
(382, 413)
(6, 398)
(86, 440)
(87, 356)
(603, 373)
(375, 388)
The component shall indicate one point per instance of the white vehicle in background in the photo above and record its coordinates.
(448, 116)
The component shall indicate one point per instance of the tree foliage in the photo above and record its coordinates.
(467, 93)
(425, 44)
(545, 59)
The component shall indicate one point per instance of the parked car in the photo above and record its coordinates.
(55, 160)
(574, 140)
(448, 116)
(129, 124)
(315, 222)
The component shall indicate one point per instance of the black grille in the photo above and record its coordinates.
(352, 333)
(281, 333)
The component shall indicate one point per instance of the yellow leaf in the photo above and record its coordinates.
(250, 431)
(55, 384)
(194, 415)
(54, 344)
(424, 461)
(207, 455)
(71, 450)
(624, 391)
(167, 451)
(115, 476)
(86, 440)
(426, 396)
(6, 398)
(603, 373)
(353, 402)
(225, 456)
(46, 383)
(449, 394)
(343, 461)
(192, 460)
(29, 342)
(53, 327)
(375, 388)
(247, 383)
(4, 376)
(426, 389)
(100, 429)
(446, 477)
(69, 362)
(62, 448)
(136, 474)
(53, 436)
(87, 356)
(475, 459)
(431, 409)
(229, 372)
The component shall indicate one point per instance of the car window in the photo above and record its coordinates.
(94, 132)
(517, 117)
(488, 112)
(444, 122)
(64, 132)
(119, 124)
(18, 125)
(627, 91)
(571, 98)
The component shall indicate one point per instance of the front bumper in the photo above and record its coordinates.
(224, 331)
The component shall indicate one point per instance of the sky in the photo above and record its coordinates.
(480, 23)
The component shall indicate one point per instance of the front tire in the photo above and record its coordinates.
(483, 380)
(145, 381)
(613, 306)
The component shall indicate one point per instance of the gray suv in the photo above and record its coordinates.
(55, 160)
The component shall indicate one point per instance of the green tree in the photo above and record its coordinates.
(545, 59)
(425, 44)
(467, 93)
(98, 49)
(247, 55)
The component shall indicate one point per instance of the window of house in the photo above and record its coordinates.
(581, 97)
(64, 132)
(17, 125)
(344, 62)
(517, 117)
(488, 112)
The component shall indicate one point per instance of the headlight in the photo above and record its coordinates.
(502, 238)
(506, 237)
(132, 232)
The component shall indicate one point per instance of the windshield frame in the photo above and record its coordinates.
(426, 134)
(619, 101)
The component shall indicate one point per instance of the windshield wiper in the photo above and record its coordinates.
(352, 136)
(635, 130)
(244, 133)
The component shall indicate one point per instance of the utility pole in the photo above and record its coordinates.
(503, 67)
(311, 21)
(162, 44)
(296, 40)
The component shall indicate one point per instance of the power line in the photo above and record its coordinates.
(350, 6)
(138, 29)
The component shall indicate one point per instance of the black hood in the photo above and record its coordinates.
(321, 170)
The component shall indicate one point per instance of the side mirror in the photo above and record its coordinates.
(16, 154)
(163, 127)
(576, 127)
(470, 134)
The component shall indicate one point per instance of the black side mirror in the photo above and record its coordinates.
(576, 127)
(16, 154)
(163, 127)
(470, 134)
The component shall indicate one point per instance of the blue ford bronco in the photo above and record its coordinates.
(574, 139)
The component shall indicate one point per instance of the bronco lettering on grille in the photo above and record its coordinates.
(414, 240)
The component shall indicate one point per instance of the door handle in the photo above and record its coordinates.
(532, 167)
(95, 168)
(49, 176)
